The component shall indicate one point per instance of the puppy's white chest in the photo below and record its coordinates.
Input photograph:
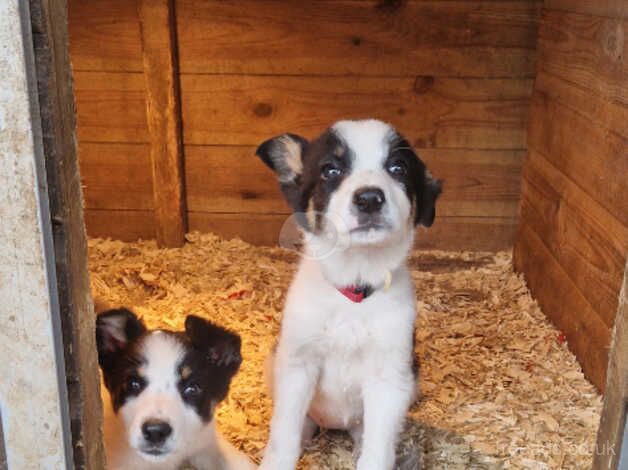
(337, 403)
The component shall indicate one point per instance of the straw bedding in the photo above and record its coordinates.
(499, 387)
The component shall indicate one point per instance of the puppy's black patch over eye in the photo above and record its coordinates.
(135, 385)
(397, 169)
(330, 172)
(191, 391)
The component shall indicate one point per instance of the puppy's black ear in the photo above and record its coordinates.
(428, 190)
(284, 155)
(115, 329)
(220, 346)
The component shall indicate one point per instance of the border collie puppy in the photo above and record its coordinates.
(163, 388)
(345, 356)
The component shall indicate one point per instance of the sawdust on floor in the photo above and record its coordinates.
(499, 387)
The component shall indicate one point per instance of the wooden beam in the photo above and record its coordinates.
(65, 205)
(163, 113)
(609, 438)
(431, 112)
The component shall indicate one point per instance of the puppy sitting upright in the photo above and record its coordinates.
(344, 359)
(164, 387)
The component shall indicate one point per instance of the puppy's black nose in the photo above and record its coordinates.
(155, 431)
(369, 199)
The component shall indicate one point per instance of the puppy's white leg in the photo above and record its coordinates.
(233, 458)
(221, 456)
(293, 391)
(385, 405)
(356, 437)
(309, 429)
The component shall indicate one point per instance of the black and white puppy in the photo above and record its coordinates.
(163, 389)
(344, 359)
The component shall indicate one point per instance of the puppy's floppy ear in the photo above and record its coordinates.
(115, 329)
(284, 155)
(428, 190)
(220, 346)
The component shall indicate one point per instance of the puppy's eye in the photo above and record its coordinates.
(330, 172)
(191, 391)
(397, 169)
(134, 384)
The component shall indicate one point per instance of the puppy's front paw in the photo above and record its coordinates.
(375, 462)
(268, 465)
(272, 461)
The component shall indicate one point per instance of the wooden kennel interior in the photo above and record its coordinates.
(520, 107)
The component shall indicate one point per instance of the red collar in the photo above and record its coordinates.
(356, 293)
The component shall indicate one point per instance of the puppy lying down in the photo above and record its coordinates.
(162, 388)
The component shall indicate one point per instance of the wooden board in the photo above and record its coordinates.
(126, 225)
(104, 35)
(559, 298)
(593, 157)
(116, 176)
(600, 110)
(589, 243)
(163, 113)
(358, 38)
(233, 179)
(573, 238)
(431, 112)
(612, 423)
(456, 233)
(587, 51)
(237, 91)
(111, 107)
(65, 253)
(609, 8)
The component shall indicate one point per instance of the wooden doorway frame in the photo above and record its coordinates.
(49, 324)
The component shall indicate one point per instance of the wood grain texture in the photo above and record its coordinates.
(104, 35)
(587, 51)
(116, 176)
(573, 239)
(249, 72)
(609, 8)
(233, 179)
(111, 107)
(163, 113)
(588, 242)
(358, 38)
(603, 112)
(616, 393)
(431, 112)
(126, 225)
(456, 233)
(587, 335)
(592, 156)
(70, 275)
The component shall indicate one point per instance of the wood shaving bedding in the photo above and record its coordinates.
(499, 387)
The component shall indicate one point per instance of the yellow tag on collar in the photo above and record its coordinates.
(387, 281)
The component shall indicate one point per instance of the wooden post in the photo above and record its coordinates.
(164, 119)
(65, 205)
(612, 424)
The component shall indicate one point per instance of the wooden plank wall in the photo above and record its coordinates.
(573, 235)
(454, 76)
